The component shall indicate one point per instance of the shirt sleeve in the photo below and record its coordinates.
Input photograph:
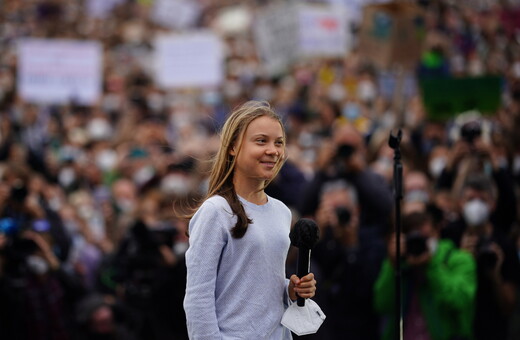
(208, 237)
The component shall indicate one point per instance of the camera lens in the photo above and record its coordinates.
(343, 215)
(415, 244)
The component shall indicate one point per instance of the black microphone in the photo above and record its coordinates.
(304, 236)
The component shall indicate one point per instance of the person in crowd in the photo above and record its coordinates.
(496, 257)
(150, 275)
(439, 284)
(348, 264)
(345, 157)
(239, 237)
(38, 294)
(473, 153)
(98, 318)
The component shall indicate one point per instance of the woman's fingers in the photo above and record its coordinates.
(306, 288)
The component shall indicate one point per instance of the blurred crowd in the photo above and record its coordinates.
(91, 238)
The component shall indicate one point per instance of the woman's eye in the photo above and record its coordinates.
(260, 140)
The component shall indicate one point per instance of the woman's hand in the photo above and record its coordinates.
(304, 287)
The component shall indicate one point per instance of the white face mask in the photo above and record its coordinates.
(143, 175)
(516, 165)
(432, 244)
(66, 176)
(417, 195)
(125, 205)
(175, 185)
(436, 166)
(106, 159)
(475, 212)
(37, 265)
(366, 91)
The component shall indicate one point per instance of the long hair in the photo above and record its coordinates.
(221, 176)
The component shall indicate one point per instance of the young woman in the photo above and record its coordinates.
(239, 237)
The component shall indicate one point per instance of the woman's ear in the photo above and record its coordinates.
(232, 151)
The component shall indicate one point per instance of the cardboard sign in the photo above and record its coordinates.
(59, 71)
(445, 97)
(189, 60)
(392, 34)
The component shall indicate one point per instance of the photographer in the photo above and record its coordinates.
(151, 275)
(349, 259)
(497, 262)
(344, 157)
(474, 151)
(38, 294)
(439, 284)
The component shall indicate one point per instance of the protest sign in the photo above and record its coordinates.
(59, 71)
(392, 34)
(175, 14)
(288, 32)
(275, 36)
(101, 8)
(189, 60)
(445, 97)
(323, 31)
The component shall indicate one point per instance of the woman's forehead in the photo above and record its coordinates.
(264, 125)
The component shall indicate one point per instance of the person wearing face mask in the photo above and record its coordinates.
(471, 153)
(439, 283)
(344, 157)
(347, 259)
(498, 266)
(38, 292)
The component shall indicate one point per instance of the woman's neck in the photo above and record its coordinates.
(251, 193)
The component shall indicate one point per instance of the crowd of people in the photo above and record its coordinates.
(92, 238)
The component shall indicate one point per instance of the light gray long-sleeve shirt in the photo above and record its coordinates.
(237, 288)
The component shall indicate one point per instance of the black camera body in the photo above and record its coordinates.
(486, 257)
(416, 244)
(470, 131)
(343, 215)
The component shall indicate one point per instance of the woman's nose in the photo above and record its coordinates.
(272, 150)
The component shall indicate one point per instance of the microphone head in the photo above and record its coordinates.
(305, 233)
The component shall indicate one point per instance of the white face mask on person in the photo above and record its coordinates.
(436, 166)
(475, 212)
(37, 265)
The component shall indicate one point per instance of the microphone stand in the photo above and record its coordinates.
(394, 142)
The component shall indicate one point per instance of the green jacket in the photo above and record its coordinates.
(446, 298)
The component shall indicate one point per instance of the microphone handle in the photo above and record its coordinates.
(303, 268)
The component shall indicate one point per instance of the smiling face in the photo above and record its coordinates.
(260, 151)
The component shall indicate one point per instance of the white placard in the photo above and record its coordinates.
(323, 31)
(59, 71)
(287, 32)
(175, 14)
(189, 60)
(276, 30)
(101, 8)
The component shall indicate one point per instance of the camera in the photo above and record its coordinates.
(416, 244)
(344, 151)
(486, 257)
(470, 131)
(343, 215)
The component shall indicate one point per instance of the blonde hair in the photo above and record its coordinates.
(221, 176)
